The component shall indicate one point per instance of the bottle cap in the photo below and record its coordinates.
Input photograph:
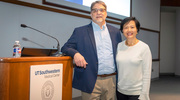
(17, 41)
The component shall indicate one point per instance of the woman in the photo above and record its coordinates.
(134, 62)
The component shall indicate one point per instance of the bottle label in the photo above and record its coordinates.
(18, 50)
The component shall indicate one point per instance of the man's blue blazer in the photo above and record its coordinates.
(83, 41)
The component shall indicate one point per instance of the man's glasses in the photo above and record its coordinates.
(96, 10)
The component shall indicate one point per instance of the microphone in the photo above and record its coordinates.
(25, 39)
(58, 53)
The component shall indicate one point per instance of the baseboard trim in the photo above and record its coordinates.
(177, 75)
(169, 74)
(166, 74)
(77, 98)
(154, 79)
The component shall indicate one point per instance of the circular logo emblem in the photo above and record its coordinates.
(47, 90)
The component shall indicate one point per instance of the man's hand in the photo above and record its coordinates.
(79, 60)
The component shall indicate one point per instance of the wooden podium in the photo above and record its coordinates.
(15, 76)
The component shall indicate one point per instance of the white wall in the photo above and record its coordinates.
(177, 45)
(155, 70)
(170, 48)
(148, 13)
(167, 41)
(55, 24)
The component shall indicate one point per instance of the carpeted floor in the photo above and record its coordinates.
(164, 88)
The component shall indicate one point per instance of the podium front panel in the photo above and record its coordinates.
(15, 76)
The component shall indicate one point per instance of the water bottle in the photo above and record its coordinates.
(17, 49)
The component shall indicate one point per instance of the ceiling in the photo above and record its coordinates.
(171, 3)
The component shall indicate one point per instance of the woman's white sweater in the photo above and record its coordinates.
(134, 65)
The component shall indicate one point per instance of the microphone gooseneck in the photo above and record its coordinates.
(58, 53)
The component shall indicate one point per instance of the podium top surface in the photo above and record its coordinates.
(27, 59)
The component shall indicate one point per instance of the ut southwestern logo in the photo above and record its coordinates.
(47, 90)
(47, 72)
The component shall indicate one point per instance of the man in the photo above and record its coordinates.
(93, 48)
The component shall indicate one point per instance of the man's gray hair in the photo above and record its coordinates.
(100, 2)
